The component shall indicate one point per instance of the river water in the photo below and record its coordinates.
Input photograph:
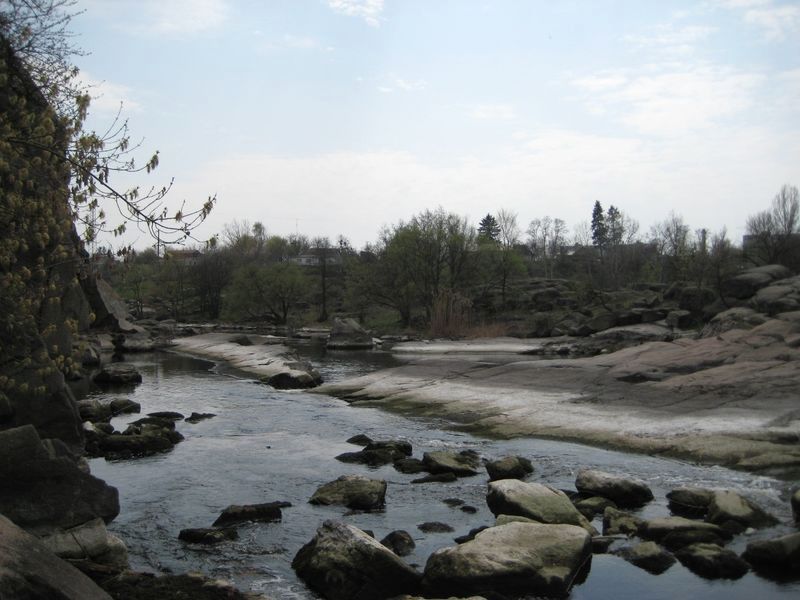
(266, 445)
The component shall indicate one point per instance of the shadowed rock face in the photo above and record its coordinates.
(344, 563)
(515, 558)
(29, 570)
(41, 492)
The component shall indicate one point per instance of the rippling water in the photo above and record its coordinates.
(266, 445)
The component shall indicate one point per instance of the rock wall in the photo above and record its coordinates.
(42, 305)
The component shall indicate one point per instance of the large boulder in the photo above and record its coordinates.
(509, 467)
(515, 558)
(735, 512)
(400, 542)
(352, 491)
(626, 492)
(733, 318)
(118, 374)
(461, 464)
(746, 284)
(778, 556)
(534, 501)
(29, 570)
(43, 493)
(344, 563)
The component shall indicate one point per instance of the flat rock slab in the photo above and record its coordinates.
(626, 492)
(515, 558)
(342, 562)
(273, 363)
(146, 586)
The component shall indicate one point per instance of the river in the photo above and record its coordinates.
(266, 445)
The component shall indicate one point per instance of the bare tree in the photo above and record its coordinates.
(771, 234)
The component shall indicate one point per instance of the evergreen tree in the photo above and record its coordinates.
(488, 228)
(599, 228)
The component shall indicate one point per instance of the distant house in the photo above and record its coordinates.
(187, 256)
(312, 259)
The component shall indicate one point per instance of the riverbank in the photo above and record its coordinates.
(729, 398)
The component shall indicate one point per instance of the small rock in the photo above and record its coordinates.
(591, 507)
(470, 535)
(712, 562)
(197, 417)
(690, 502)
(265, 512)
(438, 478)
(409, 466)
(509, 467)
(468, 509)
(400, 542)
(207, 536)
(616, 522)
(353, 491)
(160, 422)
(94, 411)
(625, 492)
(118, 373)
(120, 406)
(166, 414)
(360, 440)
(453, 502)
(648, 556)
(461, 464)
(434, 527)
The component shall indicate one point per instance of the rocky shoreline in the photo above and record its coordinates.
(726, 397)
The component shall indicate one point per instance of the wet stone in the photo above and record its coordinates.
(434, 527)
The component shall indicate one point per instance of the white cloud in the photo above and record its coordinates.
(178, 17)
(493, 112)
(369, 10)
(300, 42)
(668, 39)
(777, 21)
(107, 97)
(394, 83)
(673, 101)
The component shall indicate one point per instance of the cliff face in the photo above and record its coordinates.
(42, 305)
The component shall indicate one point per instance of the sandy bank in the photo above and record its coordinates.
(732, 398)
(262, 356)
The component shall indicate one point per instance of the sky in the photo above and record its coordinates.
(339, 117)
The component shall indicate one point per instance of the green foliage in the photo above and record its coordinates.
(599, 229)
(265, 292)
(488, 229)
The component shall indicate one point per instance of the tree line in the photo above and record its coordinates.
(437, 269)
